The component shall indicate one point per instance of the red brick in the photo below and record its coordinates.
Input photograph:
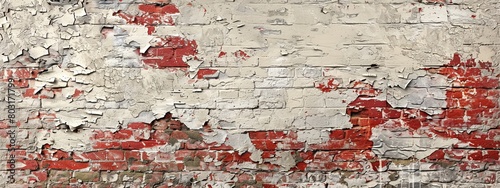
(123, 134)
(374, 113)
(491, 155)
(487, 103)
(106, 145)
(337, 135)
(160, 136)
(114, 155)
(206, 154)
(379, 165)
(257, 134)
(325, 156)
(139, 166)
(268, 154)
(302, 166)
(308, 155)
(181, 154)
(332, 166)
(92, 156)
(264, 144)
(470, 72)
(269, 186)
(364, 122)
(26, 164)
(141, 134)
(276, 135)
(243, 177)
(41, 176)
(226, 156)
(453, 123)
(455, 113)
(137, 145)
(455, 154)
(161, 156)
(413, 123)
(474, 166)
(454, 93)
(139, 125)
(244, 157)
(136, 155)
(485, 64)
(358, 134)
(64, 165)
(392, 113)
(353, 155)
(221, 147)
(436, 155)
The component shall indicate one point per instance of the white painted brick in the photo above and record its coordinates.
(326, 118)
(237, 103)
(459, 15)
(280, 72)
(303, 82)
(272, 98)
(314, 102)
(274, 83)
(231, 72)
(409, 13)
(294, 98)
(433, 14)
(357, 13)
(238, 83)
(310, 72)
(228, 94)
(246, 93)
(281, 61)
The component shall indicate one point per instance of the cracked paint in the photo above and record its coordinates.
(161, 93)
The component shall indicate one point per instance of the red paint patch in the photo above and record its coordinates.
(77, 93)
(378, 166)
(151, 15)
(329, 86)
(169, 52)
(202, 72)
(159, 9)
(151, 30)
(222, 54)
(241, 54)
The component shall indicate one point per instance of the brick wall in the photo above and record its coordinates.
(250, 93)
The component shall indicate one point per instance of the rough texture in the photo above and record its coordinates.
(250, 93)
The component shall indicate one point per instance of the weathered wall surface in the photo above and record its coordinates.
(250, 93)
